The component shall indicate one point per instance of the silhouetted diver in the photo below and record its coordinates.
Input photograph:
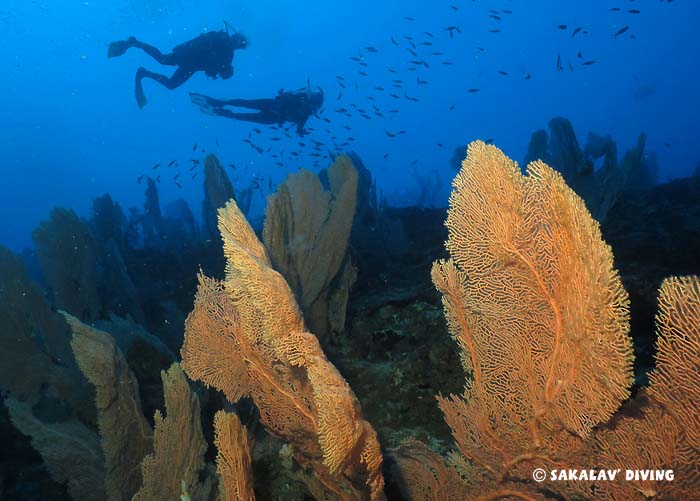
(211, 52)
(287, 106)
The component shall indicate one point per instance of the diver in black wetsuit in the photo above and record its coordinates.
(287, 106)
(210, 52)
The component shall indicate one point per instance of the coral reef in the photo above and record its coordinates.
(541, 318)
(291, 427)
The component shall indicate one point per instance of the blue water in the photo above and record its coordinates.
(71, 129)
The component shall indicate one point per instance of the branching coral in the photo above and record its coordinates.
(34, 340)
(217, 191)
(246, 337)
(126, 436)
(306, 233)
(178, 445)
(70, 451)
(67, 253)
(541, 316)
(421, 474)
(664, 430)
(233, 461)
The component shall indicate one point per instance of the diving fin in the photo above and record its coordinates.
(119, 48)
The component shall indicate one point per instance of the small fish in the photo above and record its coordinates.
(176, 176)
(172, 162)
(501, 72)
(341, 85)
(364, 65)
(393, 40)
(634, 11)
(620, 31)
(178, 184)
(340, 95)
(473, 90)
(233, 166)
(363, 73)
(408, 18)
(339, 77)
(615, 9)
(371, 48)
(158, 179)
(489, 141)
(559, 66)
(156, 166)
(195, 161)
(412, 52)
(390, 134)
(426, 43)
(452, 107)
(481, 49)
(451, 30)
(138, 179)
(194, 175)
(575, 32)
(562, 26)
(447, 63)
(194, 147)
(257, 131)
(439, 145)
(528, 76)
(494, 31)
(588, 63)
(454, 7)
(494, 16)
(385, 156)
(275, 138)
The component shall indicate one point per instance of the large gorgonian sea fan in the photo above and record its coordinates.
(532, 298)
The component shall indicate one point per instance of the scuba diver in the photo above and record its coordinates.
(210, 52)
(288, 106)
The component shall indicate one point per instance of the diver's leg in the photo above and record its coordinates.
(120, 47)
(259, 118)
(165, 59)
(178, 78)
(206, 101)
(253, 104)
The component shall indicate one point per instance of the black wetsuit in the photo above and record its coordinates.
(295, 107)
(211, 52)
